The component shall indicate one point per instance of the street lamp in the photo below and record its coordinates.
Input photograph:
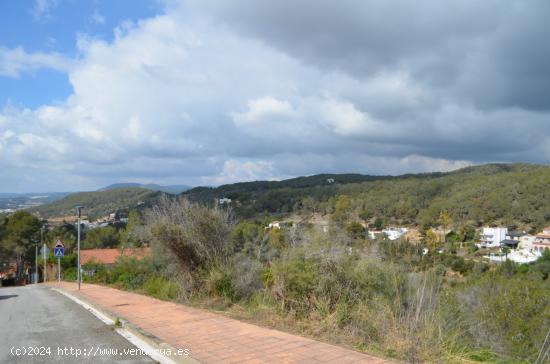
(79, 214)
(44, 256)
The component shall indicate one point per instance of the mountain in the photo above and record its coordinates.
(509, 194)
(16, 201)
(100, 203)
(173, 189)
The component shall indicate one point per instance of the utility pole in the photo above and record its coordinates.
(36, 264)
(78, 277)
(45, 258)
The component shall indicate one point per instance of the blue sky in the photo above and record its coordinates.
(55, 26)
(206, 92)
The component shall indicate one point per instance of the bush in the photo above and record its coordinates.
(219, 283)
(161, 288)
(196, 235)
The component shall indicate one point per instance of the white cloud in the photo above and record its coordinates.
(182, 98)
(262, 109)
(15, 61)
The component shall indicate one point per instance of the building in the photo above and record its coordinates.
(394, 233)
(224, 201)
(373, 234)
(542, 240)
(526, 242)
(110, 256)
(515, 235)
(492, 236)
(278, 225)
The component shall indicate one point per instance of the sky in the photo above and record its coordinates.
(205, 92)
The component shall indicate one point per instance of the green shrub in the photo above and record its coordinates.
(161, 288)
(218, 282)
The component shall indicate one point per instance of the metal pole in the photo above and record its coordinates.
(78, 278)
(43, 247)
(36, 264)
(58, 270)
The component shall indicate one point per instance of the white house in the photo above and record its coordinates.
(394, 233)
(278, 225)
(224, 201)
(491, 237)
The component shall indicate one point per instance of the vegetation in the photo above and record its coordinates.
(433, 301)
(380, 296)
(19, 233)
(515, 195)
(101, 203)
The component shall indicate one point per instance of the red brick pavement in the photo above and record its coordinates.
(213, 338)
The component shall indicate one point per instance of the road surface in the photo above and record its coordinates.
(36, 320)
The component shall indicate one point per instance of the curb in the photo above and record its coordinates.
(135, 335)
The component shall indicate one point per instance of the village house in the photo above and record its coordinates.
(278, 225)
(542, 240)
(491, 237)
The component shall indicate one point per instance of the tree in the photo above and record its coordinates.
(134, 234)
(66, 233)
(366, 215)
(466, 232)
(356, 230)
(378, 223)
(431, 240)
(102, 237)
(341, 210)
(445, 221)
(21, 231)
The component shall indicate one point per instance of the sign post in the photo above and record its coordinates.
(59, 251)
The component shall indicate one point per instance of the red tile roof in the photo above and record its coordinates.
(110, 256)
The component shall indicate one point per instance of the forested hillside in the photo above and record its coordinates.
(100, 203)
(495, 193)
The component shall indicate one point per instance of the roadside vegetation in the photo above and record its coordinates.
(378, 296)
(435, 300)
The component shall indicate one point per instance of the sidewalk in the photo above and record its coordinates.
(213, 338)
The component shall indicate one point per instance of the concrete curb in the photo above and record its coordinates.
(135, 335)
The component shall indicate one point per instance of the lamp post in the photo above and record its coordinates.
(78, 276)
(36, 264)
(45, 258)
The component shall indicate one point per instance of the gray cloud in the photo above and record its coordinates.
(210, 93)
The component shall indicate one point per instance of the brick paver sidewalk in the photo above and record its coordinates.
(213, 338)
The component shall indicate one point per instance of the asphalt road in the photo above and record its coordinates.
(36, 320)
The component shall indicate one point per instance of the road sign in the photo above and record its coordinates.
(59, 249)
(45, 252)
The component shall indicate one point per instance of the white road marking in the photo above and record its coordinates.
(136, 341)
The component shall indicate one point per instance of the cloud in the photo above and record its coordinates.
(207, 93)
(42, 9)
(15, 61)
(97, 17)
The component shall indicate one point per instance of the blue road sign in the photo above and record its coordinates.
(58, 251)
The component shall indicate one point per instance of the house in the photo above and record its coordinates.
(224, 201)
(278, 225)
(492, 236)
(110, 256)
(395, 233)
(523, 249)
(330, 180)
(515, 235)
(373, 234)
(526, 242)
(542, 240)
(509, 243)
